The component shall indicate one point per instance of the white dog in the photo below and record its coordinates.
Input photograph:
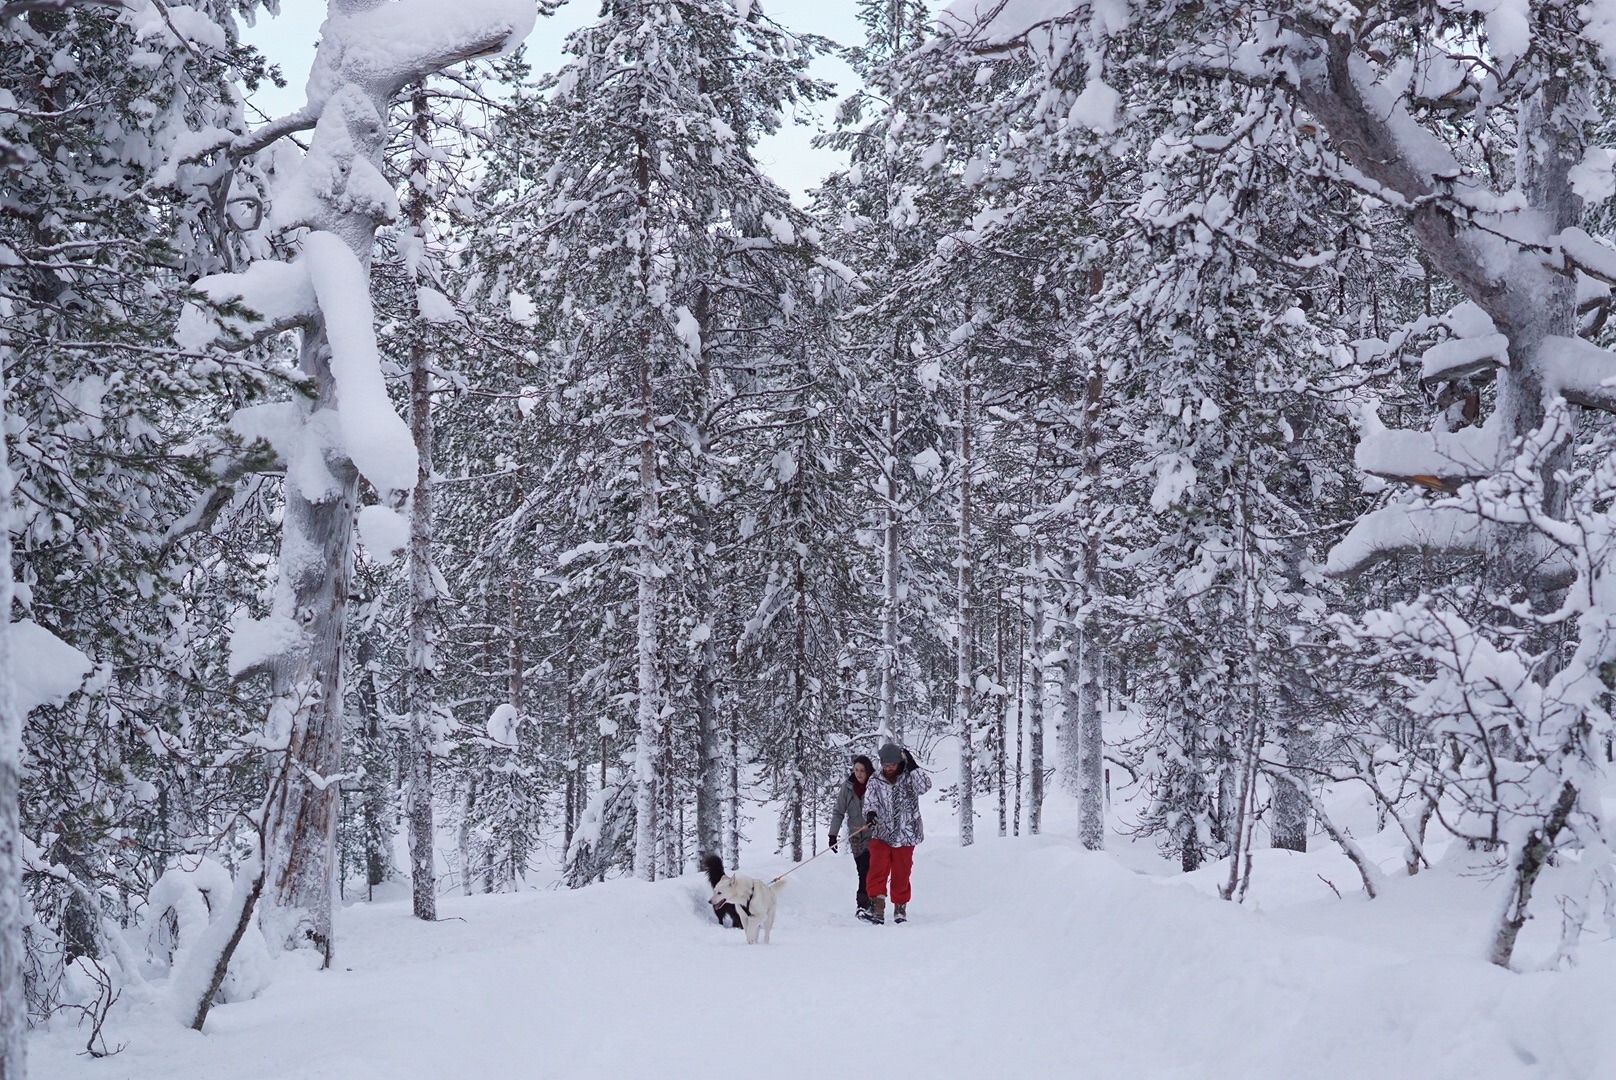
(754, 898)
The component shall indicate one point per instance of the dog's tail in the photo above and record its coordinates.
(713, 866)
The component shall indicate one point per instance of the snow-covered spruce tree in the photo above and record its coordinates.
(1160, 302)
(1024, 256)
(635, 173)
(869, 216)
(1222, 341)
(345, 427)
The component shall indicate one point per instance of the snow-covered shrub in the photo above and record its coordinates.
(604, 838)
(194, 893)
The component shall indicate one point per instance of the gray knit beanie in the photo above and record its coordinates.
(891, 754)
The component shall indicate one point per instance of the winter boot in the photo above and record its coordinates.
(863, 901)
(876, 912)
(900, 913)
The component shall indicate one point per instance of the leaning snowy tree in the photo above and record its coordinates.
(1471, 124)
(328, 204)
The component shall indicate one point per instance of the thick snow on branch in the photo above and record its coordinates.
(383, 47)
(1459, 357)
(279, 293)
(995, 24)
(1587, 254)
(383, 531)
(1407, 529)
(300, 442)
(1436, 455)
(44, 668)
(257, 643)
(1581, 372)
(1476, 346)
(377, 440)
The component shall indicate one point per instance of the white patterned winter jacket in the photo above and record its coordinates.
(897, 807)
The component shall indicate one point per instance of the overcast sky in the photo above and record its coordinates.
(796, 165)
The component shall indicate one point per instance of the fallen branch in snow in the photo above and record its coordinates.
(96, 1011)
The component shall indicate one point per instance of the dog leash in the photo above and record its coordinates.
(810, 859)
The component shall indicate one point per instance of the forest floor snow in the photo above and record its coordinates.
(1025, 957)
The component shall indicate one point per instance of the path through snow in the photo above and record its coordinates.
(1026, 958)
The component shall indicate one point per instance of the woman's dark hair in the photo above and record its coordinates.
(869, 767)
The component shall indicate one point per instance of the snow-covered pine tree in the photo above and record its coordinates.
(661, 247)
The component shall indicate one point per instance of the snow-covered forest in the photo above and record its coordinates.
(1181, 423)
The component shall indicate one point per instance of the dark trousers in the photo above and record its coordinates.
(861, 859)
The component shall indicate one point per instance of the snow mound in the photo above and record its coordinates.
(255, 643)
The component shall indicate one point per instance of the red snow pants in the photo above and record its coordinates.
(888, 861)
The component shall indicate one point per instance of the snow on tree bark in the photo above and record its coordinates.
(1035, 692)
(1089, 719)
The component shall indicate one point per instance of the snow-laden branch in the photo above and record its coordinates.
(266, 298)
(989, 26)
(384, 47)
(1441, 460)
(1407, 529)
(1581, 372)
(376, 439)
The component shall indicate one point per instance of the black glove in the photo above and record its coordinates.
(909, 762)
(869, 819)
(832, 841)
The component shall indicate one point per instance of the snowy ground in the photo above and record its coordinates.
(1025, 957)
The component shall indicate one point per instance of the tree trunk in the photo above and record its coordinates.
(1035, 697)
(1000, 707)
(463, 834)
(964, 673)
(799, 698)
(1090, 745)
(306, 688)
(376, 806)
(648, 740)
(574, 759)
(732, 826)
(13, 998)
(1530, 859)
(421, 659)
(1090, 734)
(1021, 707)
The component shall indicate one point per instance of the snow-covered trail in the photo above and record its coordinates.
(1024, 957)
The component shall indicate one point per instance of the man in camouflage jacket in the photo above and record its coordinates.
(892, 809)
